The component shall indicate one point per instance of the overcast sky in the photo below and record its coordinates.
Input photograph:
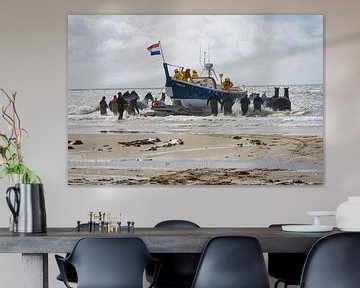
(109, 51)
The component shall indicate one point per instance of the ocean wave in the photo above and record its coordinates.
(81, 110)
(288, 113)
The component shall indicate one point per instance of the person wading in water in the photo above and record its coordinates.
(103, 106)
(245, 102)
(213, 100)
(121, 102)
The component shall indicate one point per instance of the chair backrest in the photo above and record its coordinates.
(232, 262)
(178, 269)
(286, 266)
(333, 262)
(176, 224)
(110, 262)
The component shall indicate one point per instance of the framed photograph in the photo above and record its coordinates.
(195, 100)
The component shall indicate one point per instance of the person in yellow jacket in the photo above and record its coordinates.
(177, 74)
(227, 84)
(185, 74)
(194, 75)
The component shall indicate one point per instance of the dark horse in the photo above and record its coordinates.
(145, 102)
(277, 103)
(148, 97)
(128, 96)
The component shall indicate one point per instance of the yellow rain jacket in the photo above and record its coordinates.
(185, 75)
(227, 84)
(194, 75)
(177, 74)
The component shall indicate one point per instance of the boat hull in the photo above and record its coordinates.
(192, 95)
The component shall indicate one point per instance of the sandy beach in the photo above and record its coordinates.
(154, 158)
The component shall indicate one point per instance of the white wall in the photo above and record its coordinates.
(33, 62)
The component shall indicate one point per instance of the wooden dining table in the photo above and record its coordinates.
(35, 247)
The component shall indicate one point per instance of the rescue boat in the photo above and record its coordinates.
(195, 93)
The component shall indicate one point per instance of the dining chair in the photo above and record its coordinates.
(69, 269)
(333, 262)
(232, 262)
(108, 263)
(178, 269)
(286, 267)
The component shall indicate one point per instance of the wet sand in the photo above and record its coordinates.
(162, 148)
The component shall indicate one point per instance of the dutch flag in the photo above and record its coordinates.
(154, 49)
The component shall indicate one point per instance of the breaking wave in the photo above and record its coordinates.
(82, 110)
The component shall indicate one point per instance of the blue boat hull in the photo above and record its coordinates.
(193, 95)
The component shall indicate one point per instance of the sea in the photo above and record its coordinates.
(306, 117)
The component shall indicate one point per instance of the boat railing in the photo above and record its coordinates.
(238, 89)
(205, 81)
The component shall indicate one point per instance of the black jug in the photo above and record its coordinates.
(28, 208)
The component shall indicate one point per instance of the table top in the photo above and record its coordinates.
(158, 240)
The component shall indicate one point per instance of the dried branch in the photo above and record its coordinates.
(12, 159)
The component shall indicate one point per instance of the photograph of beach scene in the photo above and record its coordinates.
(195, 100)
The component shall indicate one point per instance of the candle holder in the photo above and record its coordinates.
(315, 227)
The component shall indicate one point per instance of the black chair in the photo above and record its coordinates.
(69, 269)
(333, 262)
(70, 273)
(232, 262)
(108, 262)
(178, 269)
(176, 224)
(286, 267)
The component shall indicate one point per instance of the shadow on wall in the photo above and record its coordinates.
(343, 39)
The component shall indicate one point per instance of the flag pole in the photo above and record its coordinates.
(162, 53)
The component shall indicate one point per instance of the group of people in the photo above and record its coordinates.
(185, 75)
(228, 102)
(118, 105)
(245, 102)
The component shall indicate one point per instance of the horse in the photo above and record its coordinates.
(130, 96)
(145, 102)
(277, 103)
(148, 97)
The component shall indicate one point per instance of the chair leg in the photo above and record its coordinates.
(279, 281)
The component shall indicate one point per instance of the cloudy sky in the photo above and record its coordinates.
(109, 51)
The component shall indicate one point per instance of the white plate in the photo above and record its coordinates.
(321, 213)
(350, 229)
(306, 228)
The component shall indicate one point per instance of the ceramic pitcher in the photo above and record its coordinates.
(27, 204)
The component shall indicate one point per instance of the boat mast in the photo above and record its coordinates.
(208, 66)
(162, 52)
(209, 51)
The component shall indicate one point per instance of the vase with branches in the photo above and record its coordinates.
(11, 158)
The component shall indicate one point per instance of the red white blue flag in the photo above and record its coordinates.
(154, 49)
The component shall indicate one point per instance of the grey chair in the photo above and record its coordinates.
(178, 269)
(286, 267)
(108, 263)
(333, 262)
(232, 262)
